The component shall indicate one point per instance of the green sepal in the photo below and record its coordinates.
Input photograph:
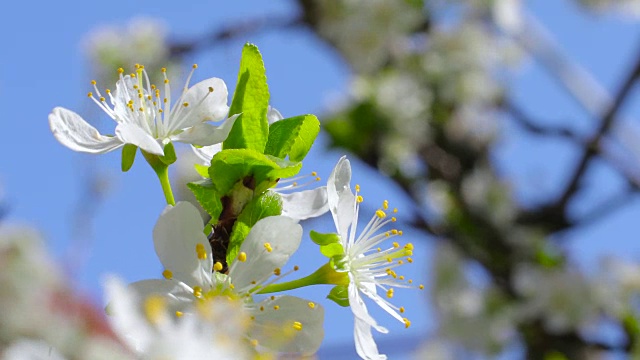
(169, 156)
(230, 166)
(293, 137)
(207, 229)
(260, 207)
(128, 156)
(250, 100)
(208, 197)
(333, 251)
(202, 170)
(324, 239)
(340, 295)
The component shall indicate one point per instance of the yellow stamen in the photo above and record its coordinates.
(297, 325)
(242, 257)
(268, 247)
(167, 274)
(217, 266)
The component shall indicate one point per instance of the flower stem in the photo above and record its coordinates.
(162, 171)
(324, 275)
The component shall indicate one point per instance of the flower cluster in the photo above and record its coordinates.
(222, 290)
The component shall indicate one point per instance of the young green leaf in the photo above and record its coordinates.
(208, 197)
(267, 204)
(292, 136)
(233, 165)
(250, 100)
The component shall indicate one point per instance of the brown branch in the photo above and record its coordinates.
(591, 148)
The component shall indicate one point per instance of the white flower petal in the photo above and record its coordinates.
(29, 349)
(282, 235)
(212, 108)
(125, 316)
(275, 325)
(76, 134)
(369, 289)
(360, 309)
(306, 204)
(175, 236)
(273, 115)
(176, 294)
(341, 199)
(205, 153)
(206, 134)
(130, 133)
(365, 345)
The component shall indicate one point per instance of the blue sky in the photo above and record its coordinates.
(42, 66)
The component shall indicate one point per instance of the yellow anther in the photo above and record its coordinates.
(297, 325)
(93, 82)
(195, 66)
(90, 94)
(163, 70)
(253, 282)
(132, 75)
(197, 291)
(410, 260)
(390, 293)
(120, 70)
(167, 274)
(389, 259)
(409, 246)
(385, 204)
(395, 210)
(141, 109)
(140, 96)
(261, 308)
(252, 317)
(231, 286)
(108, 91)
(210, 89)
(217, 266)
(410, 281)
(408, 253)
(357, 188)
(380, 214)
(154, 308)
(276, 307)
(272, 297)
(379, 250)
(153, 87)
(242, 257)
(400, 262)
(318, 178)
(401, 277)
(396, 244)
(179, 314)
(313, 173)
(137, 66)
(166, 81)
(296, 268)
(268, 247)
(199, 247)
(407, 323)
(185, 104)
(400, 232)
(312, 305)
(394, 231)
(102, 98)
(421, 287)
(136, 87)
(276, 271)
(254, 342)
(359, 198)
(401, 309)
(393, 219)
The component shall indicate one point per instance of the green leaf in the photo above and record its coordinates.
(333, 251)
(230, 166)
(128, 156)
(169, 156)
(293, 136)
(324, 239)
(250, 100)
(208, 197)
(340, 295)
(260, 207)
(202, 170)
